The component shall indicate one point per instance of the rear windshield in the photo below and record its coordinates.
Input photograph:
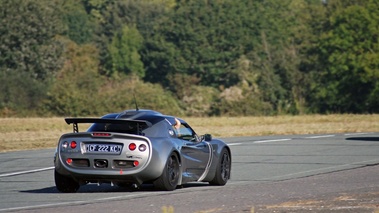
(130, 128)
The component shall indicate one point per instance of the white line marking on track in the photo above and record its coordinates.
(358, 133)
(320, 136)
(354, 164)
(322, 170)
(43, 206)
(275, 140)
(70, 203)
(25, 172)
(234, 144)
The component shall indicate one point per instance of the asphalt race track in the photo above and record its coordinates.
(298, 173)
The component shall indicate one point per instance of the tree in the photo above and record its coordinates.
(20, 93)
(206, 40)
(200, 38)
(75, 90)
(124, 56)
(30, 52)
(348, 60)
(122, 25)
(28, 31)
(80, 25)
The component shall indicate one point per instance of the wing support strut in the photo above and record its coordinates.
(75, 127)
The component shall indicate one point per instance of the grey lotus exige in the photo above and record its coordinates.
(139, 146)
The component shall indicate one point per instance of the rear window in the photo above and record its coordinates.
(129, 128)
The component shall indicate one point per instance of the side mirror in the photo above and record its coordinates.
(207, 137)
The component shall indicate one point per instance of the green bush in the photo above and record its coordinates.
(75, 89)
(80, 90)
(128, 91)
(237, 101)
(20, 93)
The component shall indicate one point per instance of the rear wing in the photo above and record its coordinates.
(139, 124)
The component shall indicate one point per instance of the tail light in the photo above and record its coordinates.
(135, 163)
(132, 146)
(73, 144)
(69, 161)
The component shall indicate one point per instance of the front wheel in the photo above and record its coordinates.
(223, 169)
(170, 175)
(65, 184)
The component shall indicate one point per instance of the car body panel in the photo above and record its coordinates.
(133, 146)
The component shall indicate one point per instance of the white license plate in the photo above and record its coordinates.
(103, 148)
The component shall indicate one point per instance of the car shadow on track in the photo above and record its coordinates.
(363, 139)
(108, 188)
(47, 190)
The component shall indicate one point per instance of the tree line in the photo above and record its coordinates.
(189, 57)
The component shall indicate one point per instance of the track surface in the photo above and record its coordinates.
(298, 173)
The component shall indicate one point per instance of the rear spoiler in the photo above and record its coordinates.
(76, 121)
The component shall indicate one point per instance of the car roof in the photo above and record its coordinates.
(146, 115)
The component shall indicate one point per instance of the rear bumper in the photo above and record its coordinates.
(86, 169)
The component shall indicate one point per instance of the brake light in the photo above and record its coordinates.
(73, 144)
(132, 146)
(101, 134)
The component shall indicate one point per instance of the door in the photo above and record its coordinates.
(196, 153)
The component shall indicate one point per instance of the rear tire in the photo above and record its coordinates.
(223, 169)
(169, 179)
(65, 184)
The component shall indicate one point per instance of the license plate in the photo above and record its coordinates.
(103, 148)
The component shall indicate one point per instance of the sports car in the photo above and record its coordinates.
(138, 146)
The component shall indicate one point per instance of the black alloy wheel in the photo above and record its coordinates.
(169, 179)
(223, 169)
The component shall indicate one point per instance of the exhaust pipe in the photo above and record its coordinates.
(100, 163)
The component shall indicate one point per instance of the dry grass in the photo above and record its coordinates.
(37, 133)
(284, 125)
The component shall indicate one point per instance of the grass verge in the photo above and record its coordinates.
(39, 133)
